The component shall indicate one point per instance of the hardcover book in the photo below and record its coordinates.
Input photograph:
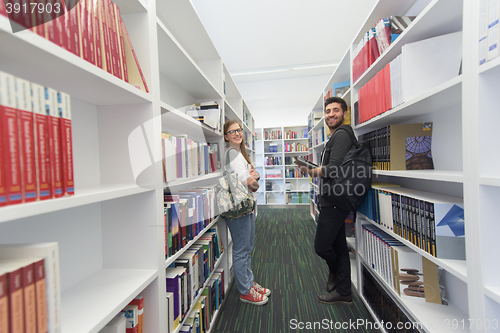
(64, 106)
(55, 153)
(10, 139)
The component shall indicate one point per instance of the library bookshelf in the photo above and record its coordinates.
(280, 182)
(462, 110)
(111, 232)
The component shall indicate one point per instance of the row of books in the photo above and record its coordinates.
(297, 198)
(400, 147)
(295, 135)
(186, 214)
(318, 137)
(273, 148)
(489, 30)
(249, 139)
(401, 267)
(183, 157)
(294, 173)
(91, 29)
(430, 221)
(385, 308)
(337, 89)
(129, 320)
(313, 119)
(376, 40)
(273, 135)
(36, 151)
(274, 173)
(272, 160)
(293, 147)
(192, 275)
(421, 66)
(30, 288)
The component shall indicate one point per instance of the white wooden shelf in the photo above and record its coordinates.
(297, 152)
(456, 267)
(433, 317)
(299, 139)
(177, 66)
(443, 96)
(438, 175)
(192, 180)
(27, 50)
(318, 146)
(489, 181)
(175, 120)
(490, 66)
(351, 241)
(83, 196)
(91, 304)
(493, 293)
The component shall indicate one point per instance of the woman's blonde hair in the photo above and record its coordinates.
(228, 124)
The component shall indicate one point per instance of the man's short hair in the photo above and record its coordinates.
(339, 100)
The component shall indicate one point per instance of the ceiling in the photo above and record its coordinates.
(257, 35)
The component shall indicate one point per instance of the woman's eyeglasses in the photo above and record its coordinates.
(233, 132)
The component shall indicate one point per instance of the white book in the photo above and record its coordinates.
(116, 325)
(131, 314)
(193, 271)
(493, 29)
(50, 253)
(170, 312)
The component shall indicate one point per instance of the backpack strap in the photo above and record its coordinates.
(227, 157)
(351, 136)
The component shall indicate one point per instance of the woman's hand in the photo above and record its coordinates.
(254, 173)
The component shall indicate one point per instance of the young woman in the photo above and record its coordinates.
(243, 228)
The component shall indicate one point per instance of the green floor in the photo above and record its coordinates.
(284, 261)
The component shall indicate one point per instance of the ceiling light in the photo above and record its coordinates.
(283, 69)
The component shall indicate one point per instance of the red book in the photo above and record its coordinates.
(105, 42)
(3, 11)
(42, 146)
(84, 30)
(13, 274)
(64, 103)
(116, 40)
(41, 296)
(90, 30)
(97, 35)
(10, 139)
(121, 43)
(4, 306)
(28, 283)
(134, 71)
(74, 28)
(55, 153)
(27, 140)
(39, 21)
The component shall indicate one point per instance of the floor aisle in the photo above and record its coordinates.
(284, 261)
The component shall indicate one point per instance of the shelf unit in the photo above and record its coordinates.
(110, 233)
(279, 195)
(463, 112)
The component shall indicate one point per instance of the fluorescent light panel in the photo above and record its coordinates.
(283, 69)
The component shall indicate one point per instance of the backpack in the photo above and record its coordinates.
(353, 179)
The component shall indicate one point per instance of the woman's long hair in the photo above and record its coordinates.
(228, 124)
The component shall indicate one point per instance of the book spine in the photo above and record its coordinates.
(84, 29)
(97, 35)
(90, 30)
(432, 229)
(105, 44)
(117, 67)
(16, 306)
(135, 63)
(54, 142)
(120, 41)
(64, 104)
(29, 298)
(27, 143)
(41, 296)
(38, 21)
(4, 306)
(9, 118)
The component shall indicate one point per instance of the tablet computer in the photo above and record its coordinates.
(301, 161)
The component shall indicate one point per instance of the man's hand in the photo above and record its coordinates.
(303, 168)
